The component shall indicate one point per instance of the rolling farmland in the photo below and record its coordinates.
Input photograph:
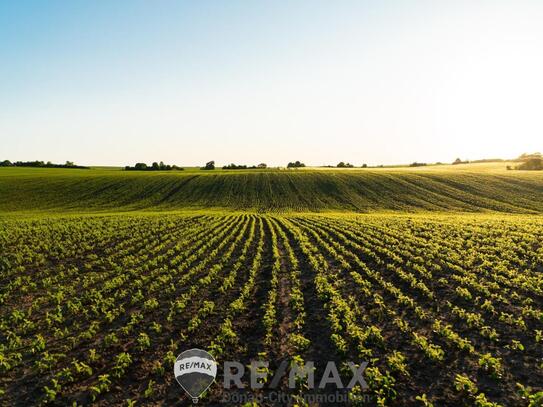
(469, 188)
(444, 304)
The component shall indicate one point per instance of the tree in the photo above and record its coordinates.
(533, 164)
(364, 165)
(40, 164)
(210, 165)
(526, 156)
(296, 164)
(233, 166)
(154, 167)
(262, 165)
(457, 161)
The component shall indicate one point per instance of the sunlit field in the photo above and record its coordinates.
(464, 188)
(438, 285)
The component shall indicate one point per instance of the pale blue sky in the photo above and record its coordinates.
(114, 83)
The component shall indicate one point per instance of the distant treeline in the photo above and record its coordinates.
(40, 164)
(526, 157)
(244, 167)
(533, 164)
(342, 164)
(485, 160)
(529, 162)
(153, 167)
(295, 164)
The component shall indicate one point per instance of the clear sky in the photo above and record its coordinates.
(377, 82)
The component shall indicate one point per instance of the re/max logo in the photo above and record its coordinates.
(260, 375)
(195, 365)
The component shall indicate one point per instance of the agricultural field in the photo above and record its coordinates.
(464, 188)
(446, 308)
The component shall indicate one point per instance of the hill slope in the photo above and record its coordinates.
(462, 188)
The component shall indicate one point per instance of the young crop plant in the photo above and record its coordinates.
(491, 365)
(122, 361)
(434, 352)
